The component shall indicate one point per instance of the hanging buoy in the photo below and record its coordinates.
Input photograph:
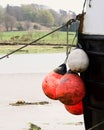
(51, 80)
(75, 109)
(70, 89)
(78, 60)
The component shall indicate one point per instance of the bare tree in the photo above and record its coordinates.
(9, 21)
(27, 25)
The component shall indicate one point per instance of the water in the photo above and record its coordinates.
(21, 77)
(31, 63)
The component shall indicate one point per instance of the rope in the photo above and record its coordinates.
(69, 47)
(98, 124)
(67, 40)
(69, 22)
(84, 6)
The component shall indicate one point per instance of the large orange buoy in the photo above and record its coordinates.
(51, 80)
(70, 89)
(75, 109)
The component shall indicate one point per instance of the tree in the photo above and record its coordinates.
(19, 26)
(29, 12)
(1, 14)
(46, 18)
(32, 13)
(27, 25)
(9, 21)
(63, 16)
(56, 16)
(15, 11)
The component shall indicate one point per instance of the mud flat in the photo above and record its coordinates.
(20, 83)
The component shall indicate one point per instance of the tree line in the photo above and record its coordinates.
(25, 16)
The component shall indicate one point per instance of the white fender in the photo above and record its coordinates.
(78, 60)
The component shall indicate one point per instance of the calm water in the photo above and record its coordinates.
(20, 79)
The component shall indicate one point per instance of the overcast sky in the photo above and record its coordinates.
(73, 5)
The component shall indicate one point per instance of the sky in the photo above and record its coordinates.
(73, 5)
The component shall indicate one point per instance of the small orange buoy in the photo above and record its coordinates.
(70, 89)
(51, 80)
(75, 109)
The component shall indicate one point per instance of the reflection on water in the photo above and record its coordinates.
(20, 79)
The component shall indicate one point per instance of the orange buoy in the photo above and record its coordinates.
(75, 109)
(70, 89)
(51, 80)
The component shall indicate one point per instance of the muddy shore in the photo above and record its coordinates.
(20, 79)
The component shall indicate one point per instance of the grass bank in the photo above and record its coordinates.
(16, 39)
(31, 49)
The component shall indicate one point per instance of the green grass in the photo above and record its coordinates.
(26, 37)
(4, 36)
(31, 49)
(56, 37)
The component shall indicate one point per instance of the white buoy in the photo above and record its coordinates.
(78, 60)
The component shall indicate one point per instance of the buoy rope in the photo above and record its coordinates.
(67, 23)
(68, 48)
(67, 41)
(97, 125)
